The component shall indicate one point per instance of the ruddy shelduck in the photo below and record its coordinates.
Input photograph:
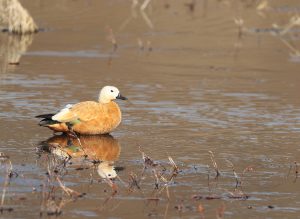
(88, 117)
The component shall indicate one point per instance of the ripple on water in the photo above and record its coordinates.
(23, 96)
(223, 110)
(81, 54)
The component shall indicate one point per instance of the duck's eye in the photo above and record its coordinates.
(111, 91)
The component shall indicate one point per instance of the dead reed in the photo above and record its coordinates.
(9, 174)
(16, 18)
(215, 165)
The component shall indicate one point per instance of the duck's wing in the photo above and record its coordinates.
(83, 111)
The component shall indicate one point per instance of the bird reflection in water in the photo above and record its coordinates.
(102, 150)
(12, 47)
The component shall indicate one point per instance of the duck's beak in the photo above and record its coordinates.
(120, 97)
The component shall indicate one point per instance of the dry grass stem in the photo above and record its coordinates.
(145, 4)
(212, 157)
(263, 5)
(133, 182)
(175, 170)
(16, 18)
(237, 194)
(140, 44)
(238, 182)
(240, 24)
(67, 190)
(111, 37)
(296, 171)
(148, 162)
(114, 188)
(8, 175)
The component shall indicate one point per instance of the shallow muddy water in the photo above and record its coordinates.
(219, 76)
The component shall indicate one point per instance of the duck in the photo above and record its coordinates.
(88, 117)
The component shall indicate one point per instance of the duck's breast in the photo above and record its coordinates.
(107, 117)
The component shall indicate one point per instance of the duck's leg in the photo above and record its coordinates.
(69, 142)
(71, 132)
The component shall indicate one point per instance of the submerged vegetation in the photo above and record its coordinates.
(153, 181)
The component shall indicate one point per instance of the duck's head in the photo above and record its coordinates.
(109, 93)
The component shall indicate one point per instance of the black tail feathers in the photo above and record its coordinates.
(45, 116)
(46, 119)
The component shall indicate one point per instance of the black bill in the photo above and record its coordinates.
(120, 97)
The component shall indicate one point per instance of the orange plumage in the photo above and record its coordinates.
(88, 117)
(95, 118)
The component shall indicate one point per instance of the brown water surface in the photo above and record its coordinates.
(196, 80)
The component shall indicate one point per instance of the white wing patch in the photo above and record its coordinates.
(69, 106)
(65, 114)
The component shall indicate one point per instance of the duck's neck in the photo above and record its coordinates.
(104, 100)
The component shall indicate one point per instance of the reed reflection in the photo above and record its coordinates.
(12, 48)
(102, 150)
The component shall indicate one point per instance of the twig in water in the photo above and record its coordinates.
(147, 19)
(81, 147)
(167, 182)
(238, 182)
(145, 4)
(166, 210)
(208, 179)
(212, 157)
(67, 190)
(114, 188)
(140, 44)
(175, 168)
(296, 171)
(166, 186)
(111, 37)
(9, 174)
(239, 22)
(149, 46)
(262, 5)
(148, 162)
(133, 182)
(17, 18)
(294, 21)
(237, 194)
(290, 168)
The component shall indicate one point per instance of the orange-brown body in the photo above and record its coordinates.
(94, 118)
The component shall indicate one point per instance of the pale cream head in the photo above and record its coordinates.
(109, 93)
